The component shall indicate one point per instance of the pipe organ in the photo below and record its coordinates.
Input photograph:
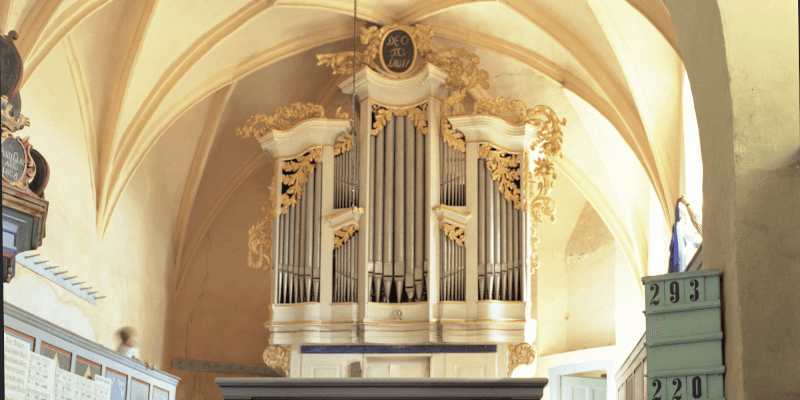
(417, 225)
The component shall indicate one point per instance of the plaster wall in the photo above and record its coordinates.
(130, 264)
(552, 275)
(220, 311)
(590, 276)
(742, 62)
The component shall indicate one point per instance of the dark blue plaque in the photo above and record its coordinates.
(382, 349)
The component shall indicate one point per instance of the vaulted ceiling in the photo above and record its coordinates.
(170, 80)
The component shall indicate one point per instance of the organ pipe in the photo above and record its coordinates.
(396, 247)
(501, 235)
(299, 258)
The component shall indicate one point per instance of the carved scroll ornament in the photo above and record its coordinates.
(417, 114)
(278, 358)
(296, 176)
(538, 185)
(505, 170)
(342, 63)
(282, 119)
(10, 119)
(520, 354)
(343, 235)
(454, 233)
(259, 239)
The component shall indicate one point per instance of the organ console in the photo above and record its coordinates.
(421, 210)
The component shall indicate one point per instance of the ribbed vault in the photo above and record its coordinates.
(138, 67)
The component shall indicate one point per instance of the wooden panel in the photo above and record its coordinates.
(139, 390)
(160, 394)
(63, 358)
(86, 368)
(119, 384)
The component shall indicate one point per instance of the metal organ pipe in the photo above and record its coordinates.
(490, 232)
(397, 215)
(371, 219)
(388, 253)
(501, 247)
(409, 211)
(419, 209)
(309, 232)
(377, 237)
(290, 250)
(298, 255)
(497, 257)
(481, 228)
(399, 209)
(317, 245)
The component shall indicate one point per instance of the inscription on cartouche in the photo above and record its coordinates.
(13, 160)
(398, 51)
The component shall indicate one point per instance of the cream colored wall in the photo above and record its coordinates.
(590, 276)
(220, 310)
(131, 265)
(552, 276)
(742, 61)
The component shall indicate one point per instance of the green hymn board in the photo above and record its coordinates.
(684, 336)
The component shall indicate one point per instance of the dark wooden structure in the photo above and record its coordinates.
(380, 388)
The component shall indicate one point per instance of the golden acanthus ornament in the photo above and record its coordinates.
(454, 233)
(342, 63)
(417, 114)
(344, 143)
(505, 170)
(282, 119)
(259, 241)
(343, 235)
(9, 121)
(520, 354)
(278, 358)
(296, 176)
(538, 185)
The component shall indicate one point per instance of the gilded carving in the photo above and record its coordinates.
(417, 114)
(344, 143)
(454, 233)
(278, 358)
(538, 185)
(461, 66)
(505, 170)
(341, 115)
(282, 119)
(520, 354)
(450, 136)
(343, 235)
(296, 176)
(259, 240)
(11, 122)
(342, 63)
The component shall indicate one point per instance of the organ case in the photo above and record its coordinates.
(417, 227)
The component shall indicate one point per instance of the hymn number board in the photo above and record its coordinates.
(684, 336)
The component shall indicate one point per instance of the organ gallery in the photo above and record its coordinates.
(410, 232)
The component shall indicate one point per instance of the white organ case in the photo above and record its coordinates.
(401, 234)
